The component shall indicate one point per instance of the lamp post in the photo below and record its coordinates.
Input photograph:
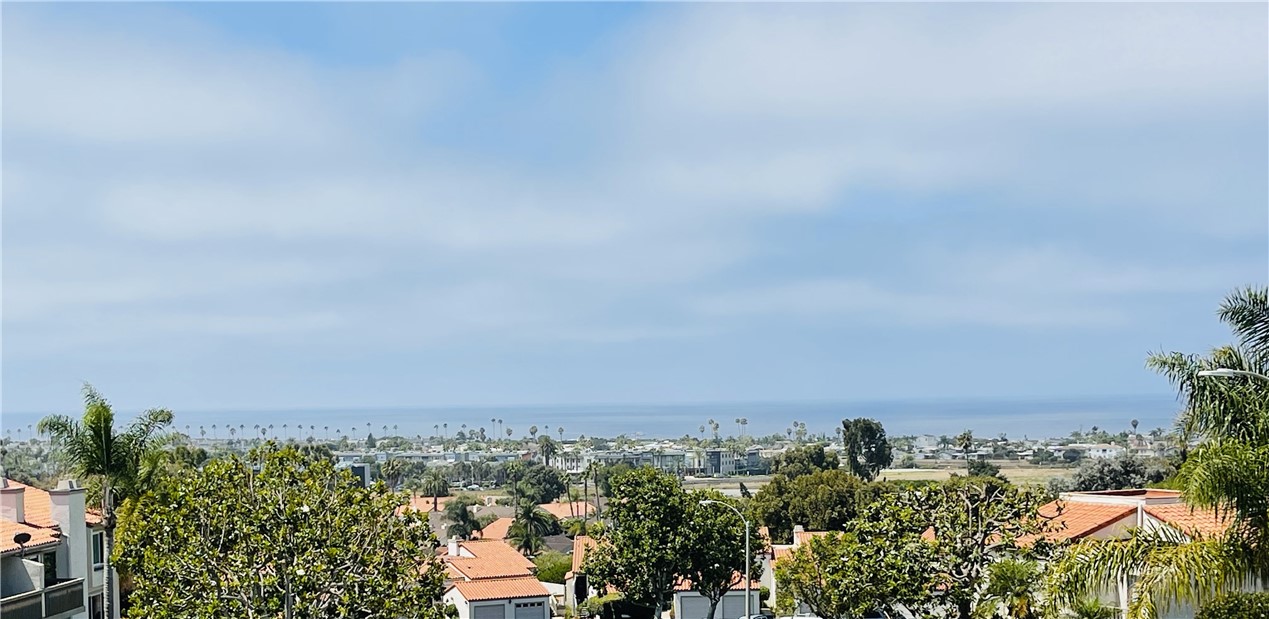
(748, 557)
(1228, 373)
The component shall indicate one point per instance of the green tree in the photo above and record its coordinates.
(965, 442)
(848, 575)
(296, 537)
(531, 525)
(821, 501)
(1014, 585)
(540, 484)
(1120, 473)
(1237, 606)
(553, 566)
(548, 448)
(646, 551)
(975, 521)
(798, 461)
(716, 558)
(983, 468)
(1229, 417)
(867, 450)
(462, 522)
(113, 460)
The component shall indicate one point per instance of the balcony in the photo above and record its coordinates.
(57, 600)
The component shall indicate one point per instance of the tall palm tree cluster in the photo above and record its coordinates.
(1226, 418)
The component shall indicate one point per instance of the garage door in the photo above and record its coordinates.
(488, 611)
(530, 610)
(733, 606)
(693, 606)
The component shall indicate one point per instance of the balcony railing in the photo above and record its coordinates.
(51, 601)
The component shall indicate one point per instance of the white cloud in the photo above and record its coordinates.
(195, 168)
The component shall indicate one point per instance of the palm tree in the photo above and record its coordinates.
(1225, 472)
(327, 430)
(1134, 423)
(213, 431)
(445, 430)
(560, 431)
(436, 430)
(434, 483)
(965, 440)
(1013, 584)
(94, 449)
(530, 527)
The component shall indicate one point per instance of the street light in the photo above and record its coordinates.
(748, 614)
(1228, 373)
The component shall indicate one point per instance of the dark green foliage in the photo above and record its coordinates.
(1237, 606)
(867, 450)
(552, 566)
(983, 468)
(1118, 474)
(462, 522)
(800, 461)
(846, 575)
(540, 484)
(228, 541)
(820, 501)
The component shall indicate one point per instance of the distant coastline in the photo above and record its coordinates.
(1034, 418)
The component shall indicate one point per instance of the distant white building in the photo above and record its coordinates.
(1099, 450)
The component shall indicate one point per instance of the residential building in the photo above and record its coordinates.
(1115, 514)
(488, 579)
(690, 604)
(52, 553)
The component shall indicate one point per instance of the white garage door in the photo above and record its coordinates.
(530, 610)
(693, 606)
(488, 611)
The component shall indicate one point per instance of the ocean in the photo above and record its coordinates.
(1018, 418)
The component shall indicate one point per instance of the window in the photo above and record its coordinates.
(49, 559)
(99, 550)
(96, 607)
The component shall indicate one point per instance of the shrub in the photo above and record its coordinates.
(1237, 606)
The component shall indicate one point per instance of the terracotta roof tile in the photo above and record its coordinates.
(40, 536)
(497, 529)
(500, 589)
(581, 545)
(780, 552)
(493, 559)
(737, 584)
(563, 511)
(802, 537)
(424, 503)
(1190, 520)
(1076, 519)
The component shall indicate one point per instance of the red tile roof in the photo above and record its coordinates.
(41, 537)
(780, 552)
(1077, 519)
(424, 503)
(500, 589)
(581, 545)
(802, 537)
(737, 584)
(497, 529)
(493, 559)
(39, 523)
(562, 511)
(1194, 521)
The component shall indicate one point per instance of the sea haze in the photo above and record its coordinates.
(986, 417)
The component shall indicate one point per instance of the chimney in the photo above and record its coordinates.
(67, 510)
(453, 546)
(12, 501)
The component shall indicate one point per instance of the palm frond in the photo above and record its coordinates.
(1246, 311)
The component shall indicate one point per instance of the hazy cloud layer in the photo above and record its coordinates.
(715, 177)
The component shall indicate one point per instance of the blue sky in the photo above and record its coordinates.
(242, 205)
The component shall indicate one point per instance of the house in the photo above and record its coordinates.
(576, 587)
(52, 553)
(781, 552)
(567, 510)
(488, 579)
(1099, 450)
(1115, 514)
(690, 604)
(500, 598)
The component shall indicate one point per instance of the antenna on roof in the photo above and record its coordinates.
(21, 539)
